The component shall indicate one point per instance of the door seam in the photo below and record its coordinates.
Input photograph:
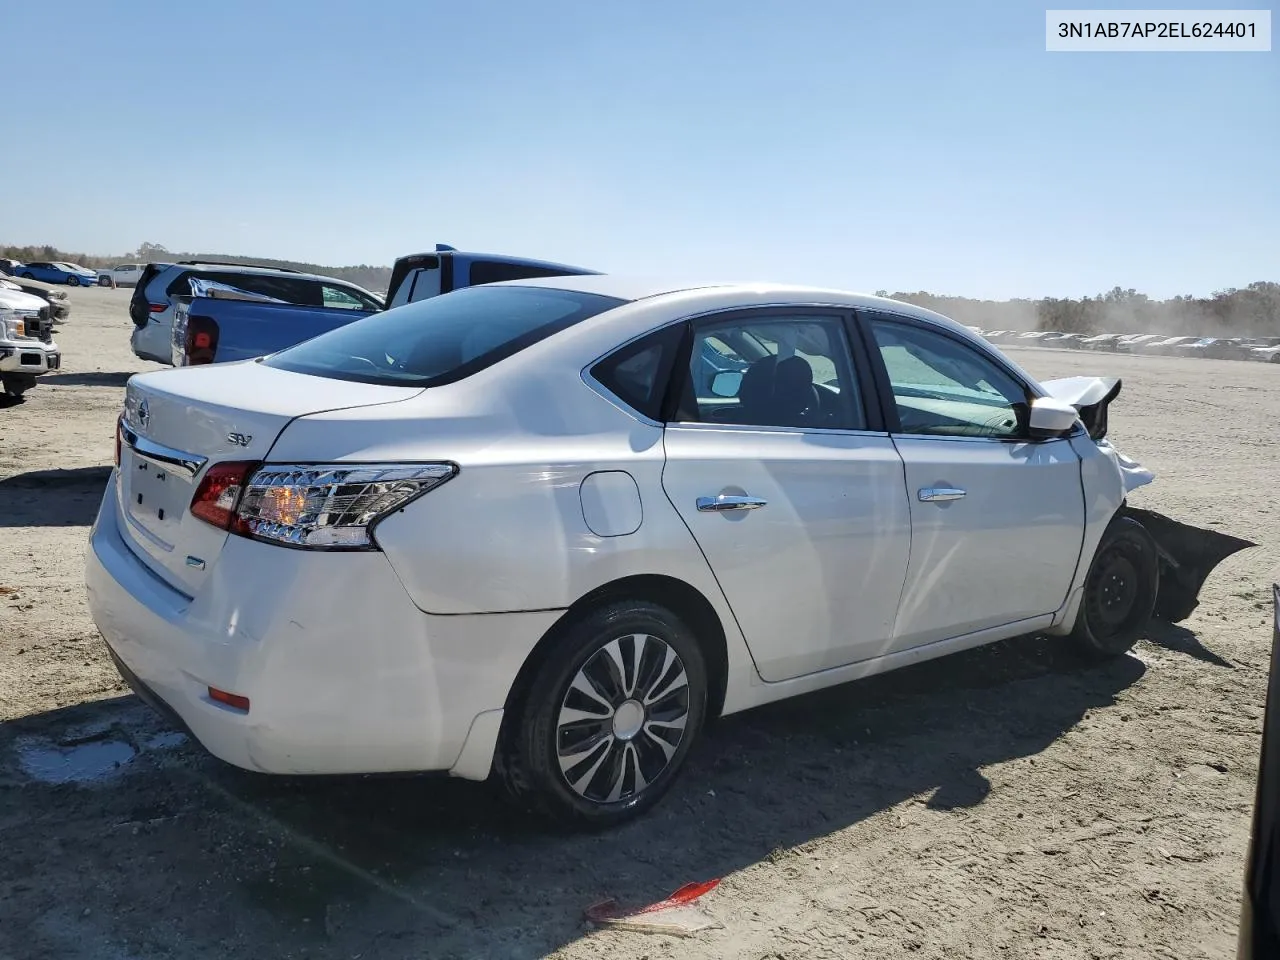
(662, 482)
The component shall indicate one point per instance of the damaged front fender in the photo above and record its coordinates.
(1187, 556)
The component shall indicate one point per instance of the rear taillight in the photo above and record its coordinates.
(332, 506)
(201, 341)
(218, 495)
(156, 307)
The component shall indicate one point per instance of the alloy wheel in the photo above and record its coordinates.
(622, 718)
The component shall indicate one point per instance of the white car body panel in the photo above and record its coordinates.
(832, 540)
(425, 638)
(1001, 553)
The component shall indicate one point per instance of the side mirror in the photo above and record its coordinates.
(726, 383)
(1050, 418)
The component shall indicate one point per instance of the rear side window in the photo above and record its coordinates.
(494, 271)
(178, 286)
(297, 290)
(418, 284)
(638, 373)
(442, 339)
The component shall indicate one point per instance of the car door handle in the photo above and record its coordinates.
(726, 502)
(936, 494)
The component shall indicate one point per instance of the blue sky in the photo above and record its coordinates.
(904, 146)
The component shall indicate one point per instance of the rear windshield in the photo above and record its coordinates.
(441, 339)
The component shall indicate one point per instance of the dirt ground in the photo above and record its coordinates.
(1004, 803)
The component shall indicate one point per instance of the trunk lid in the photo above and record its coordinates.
(179, 422)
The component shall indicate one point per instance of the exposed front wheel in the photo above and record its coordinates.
(608, 718)
(104, 281)
(73, 281)
(1120, 590)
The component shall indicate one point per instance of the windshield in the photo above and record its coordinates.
(441, 339)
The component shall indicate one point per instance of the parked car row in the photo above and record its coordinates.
(72, 274)
(55, 271)
(55, 299)
(1266, 349)
(193, 312)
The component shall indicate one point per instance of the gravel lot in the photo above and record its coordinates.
(1007, 802)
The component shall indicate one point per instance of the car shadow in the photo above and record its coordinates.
(1170, 636)
(430, 866)
(52, 498)
(89, 378)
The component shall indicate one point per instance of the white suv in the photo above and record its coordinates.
(122, 275)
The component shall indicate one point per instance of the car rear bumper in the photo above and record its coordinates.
(343, 673)
(151, 342)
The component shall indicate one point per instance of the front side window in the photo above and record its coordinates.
(773, 371)
(943, 387)
(441, 339)
(296, 290)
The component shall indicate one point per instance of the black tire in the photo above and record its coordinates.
(104, 281)
(16, 384)
(1120, 590)
(612, 762)
(73, 281)
(28, 276)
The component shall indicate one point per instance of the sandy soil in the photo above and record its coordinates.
(1004, 803)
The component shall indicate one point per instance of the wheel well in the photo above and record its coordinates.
(684, 601)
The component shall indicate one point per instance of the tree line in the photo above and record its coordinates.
(1252, 311)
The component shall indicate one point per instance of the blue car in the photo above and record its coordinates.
(71, 274)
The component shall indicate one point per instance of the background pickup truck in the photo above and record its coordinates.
(219, 323)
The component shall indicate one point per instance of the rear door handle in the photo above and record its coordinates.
(726, 502)
(935, 494)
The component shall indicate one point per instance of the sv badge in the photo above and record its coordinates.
(239, 439)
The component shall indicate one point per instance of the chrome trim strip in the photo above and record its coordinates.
(936, 494)
(753, 428)
(169, 459)
(726, 502)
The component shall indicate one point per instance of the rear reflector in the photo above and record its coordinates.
(119, 428)
(229, 699)
(156, 307)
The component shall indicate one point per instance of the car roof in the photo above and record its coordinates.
(499, 258)
(631, 288)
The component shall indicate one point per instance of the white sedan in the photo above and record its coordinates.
(546, 529)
